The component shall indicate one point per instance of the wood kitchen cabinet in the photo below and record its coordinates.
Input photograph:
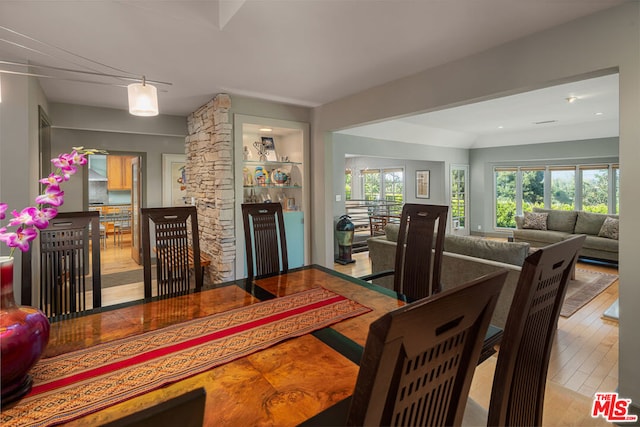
(119, 173)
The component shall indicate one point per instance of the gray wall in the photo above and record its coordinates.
(70, 116)
(439, 160)
(268, 109)
(483, 160)
(436, 187)
(19, 166)
(587, 47)
(118, 132)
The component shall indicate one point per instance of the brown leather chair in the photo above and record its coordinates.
(69, 265)
(517, 395)
(264, 239)
(174, 264)
(419, 250)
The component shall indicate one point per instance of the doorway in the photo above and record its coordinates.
(114, 191)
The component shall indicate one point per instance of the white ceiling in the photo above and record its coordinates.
(538, 116)
(302, 52)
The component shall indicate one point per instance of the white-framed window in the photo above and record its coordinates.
(383, 184)
(518, 189)
(563, 187)
(595, 188)
(459, 183)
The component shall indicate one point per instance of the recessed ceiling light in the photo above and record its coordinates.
(266, 130)
(571, 99)
(599, 114)
(500, 127)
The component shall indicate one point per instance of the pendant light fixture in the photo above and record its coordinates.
(143, 99)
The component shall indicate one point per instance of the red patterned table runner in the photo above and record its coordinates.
(75, 384)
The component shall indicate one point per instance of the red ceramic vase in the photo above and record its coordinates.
(24, 334)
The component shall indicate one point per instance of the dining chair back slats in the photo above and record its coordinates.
(69, 265)
(419, 360)
(517, 395)
(265, 242)
(172, 227)
(172, 250)
(420, 244)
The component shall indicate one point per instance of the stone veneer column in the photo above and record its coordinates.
(209, 172)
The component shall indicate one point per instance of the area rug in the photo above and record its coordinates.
(587, 285)
(75, 384)
(123, 278)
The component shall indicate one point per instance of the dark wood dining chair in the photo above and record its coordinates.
(418, 263)
(69, 265)
(264, 239)
(419, 360)
(173, 244)
(185, 410)
(517, 395)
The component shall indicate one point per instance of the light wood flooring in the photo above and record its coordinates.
(584, 356)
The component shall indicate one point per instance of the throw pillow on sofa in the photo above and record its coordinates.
(535, 220)
(609, 228)
(590, 222)
(559, 220)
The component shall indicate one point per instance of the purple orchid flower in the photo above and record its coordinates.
(21, 238)
(52, 179)
(32, 216)
(53, 196)
(77, 158)
(64, 162)
(42, 217)
(30, 219)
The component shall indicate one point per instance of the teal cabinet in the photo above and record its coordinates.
(294, 229)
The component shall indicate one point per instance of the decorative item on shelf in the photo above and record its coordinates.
(291, 204)
(270, 148)
(260, 175)
(279, 177)
(252, 197)
(262, 150)
(246, 154)
(344, 233)
(24, 331)
(282, 199)
(265, 198)
(247, 178)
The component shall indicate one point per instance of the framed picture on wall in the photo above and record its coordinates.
(422, 184)
(174, 179)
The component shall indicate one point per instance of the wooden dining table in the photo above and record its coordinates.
(281, 385)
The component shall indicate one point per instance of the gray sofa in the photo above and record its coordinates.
(464, 259)
(561, 225)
